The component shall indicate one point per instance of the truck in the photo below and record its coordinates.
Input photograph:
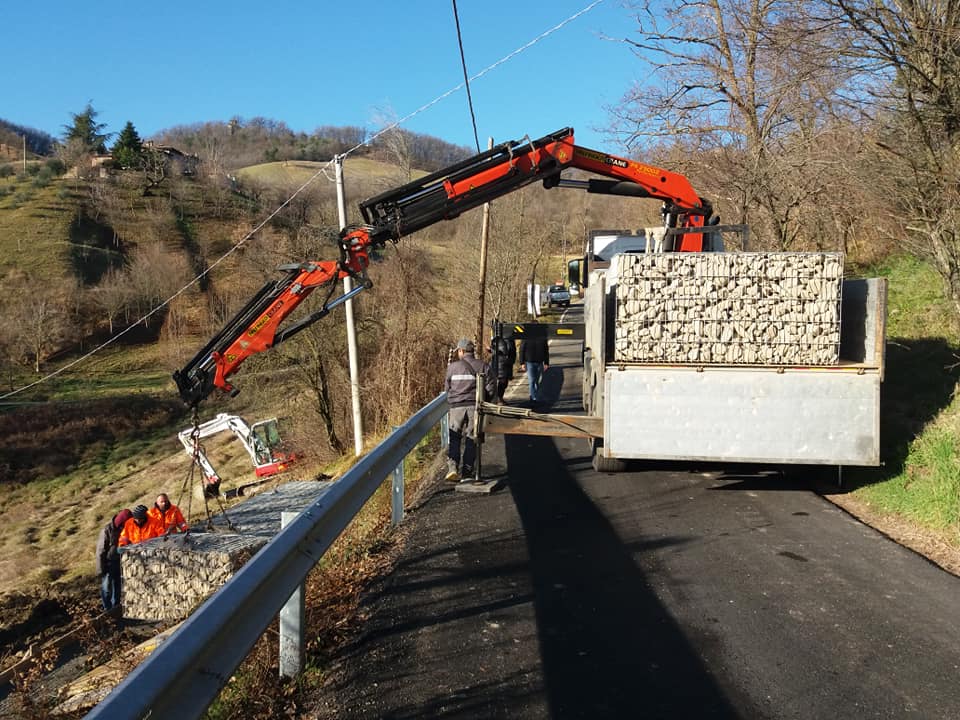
(788, 409)
(261, 440)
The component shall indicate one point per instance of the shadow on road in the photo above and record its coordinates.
(609, 649)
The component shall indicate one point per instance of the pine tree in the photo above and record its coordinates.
(86, 131)
(128, 150)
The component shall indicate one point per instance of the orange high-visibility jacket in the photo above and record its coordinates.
(172, 518)
(133, 533)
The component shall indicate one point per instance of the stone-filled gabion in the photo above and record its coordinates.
(729, 308)
(167, 579)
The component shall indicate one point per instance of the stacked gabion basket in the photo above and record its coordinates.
(165, 579)
(729, 308)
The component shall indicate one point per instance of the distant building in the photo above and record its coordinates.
(175, 159)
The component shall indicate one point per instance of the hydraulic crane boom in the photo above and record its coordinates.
(392, 215)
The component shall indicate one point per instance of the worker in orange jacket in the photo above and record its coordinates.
(166, 517)
(138, 528)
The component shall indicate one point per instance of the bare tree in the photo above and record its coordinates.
(111, 295)
(313, 351)
(742, 87)
(41, 326)
(154, 275)
(910, 50)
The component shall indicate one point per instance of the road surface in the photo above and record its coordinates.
(667, 591)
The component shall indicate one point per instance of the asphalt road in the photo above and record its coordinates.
(665, 592)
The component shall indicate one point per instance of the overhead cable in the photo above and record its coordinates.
(466, 80)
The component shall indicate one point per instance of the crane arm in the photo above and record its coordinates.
(442, 195)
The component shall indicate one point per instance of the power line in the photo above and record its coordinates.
(466, 80)
(310, 180)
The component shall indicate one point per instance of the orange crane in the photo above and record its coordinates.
(442, 195)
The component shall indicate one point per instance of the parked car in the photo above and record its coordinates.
(558, 295)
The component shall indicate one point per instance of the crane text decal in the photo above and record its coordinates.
(603, 158)
(264, 319)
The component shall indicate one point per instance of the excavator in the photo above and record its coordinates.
(442, 195)
(261, 441)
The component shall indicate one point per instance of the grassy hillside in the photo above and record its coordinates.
(296, 172)
(920, 413)
(34, 229)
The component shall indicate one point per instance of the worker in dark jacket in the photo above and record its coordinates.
(535, 360)
(461, 387)
(108, 559)
(506, 356)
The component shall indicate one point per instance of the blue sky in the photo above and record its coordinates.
(325, 62)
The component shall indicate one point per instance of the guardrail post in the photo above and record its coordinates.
(292, 622)
(444, 431)
(396, 515)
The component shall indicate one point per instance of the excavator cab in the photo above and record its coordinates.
(266, 438)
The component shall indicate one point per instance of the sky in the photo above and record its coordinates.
(321, 62)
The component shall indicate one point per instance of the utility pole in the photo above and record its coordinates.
(24, 152)
(351, 329)
(484, 235)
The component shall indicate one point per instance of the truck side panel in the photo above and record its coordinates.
(798, 416)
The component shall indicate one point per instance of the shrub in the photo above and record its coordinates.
(6, 170)
(43, 178)
(56, 166)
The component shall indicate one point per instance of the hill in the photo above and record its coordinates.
(13, 137)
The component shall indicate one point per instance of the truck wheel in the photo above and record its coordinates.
(602, 463)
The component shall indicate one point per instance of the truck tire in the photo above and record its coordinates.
(602, 463)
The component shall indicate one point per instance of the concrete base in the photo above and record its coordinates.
(485, 486)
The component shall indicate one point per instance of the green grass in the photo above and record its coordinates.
(917, 307)
(920, 417)
(928, 490)
(299, 171)
(115, 371)
(34, 234)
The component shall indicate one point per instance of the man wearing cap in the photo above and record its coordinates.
(138, 528)
(461, 387)
(108, 560)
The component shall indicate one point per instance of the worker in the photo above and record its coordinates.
(166, 516)
(108, 559)
(138, 528)
(535, 360)
(506, 356)
(461, 388)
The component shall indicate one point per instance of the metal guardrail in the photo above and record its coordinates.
(186, 673)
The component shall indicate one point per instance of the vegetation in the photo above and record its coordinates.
(127, 151)
(13, 137)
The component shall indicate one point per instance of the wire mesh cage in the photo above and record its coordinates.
(729, 308)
